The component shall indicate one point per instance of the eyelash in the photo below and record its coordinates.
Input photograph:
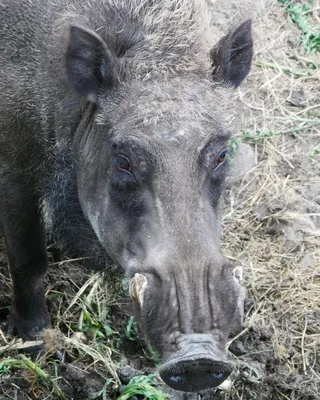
(123, 164)
(223, 156)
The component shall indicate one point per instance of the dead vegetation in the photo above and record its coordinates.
(271, 224)
(271, 230)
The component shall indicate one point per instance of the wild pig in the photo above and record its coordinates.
(113, 114)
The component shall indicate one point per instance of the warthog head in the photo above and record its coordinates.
(151, 164)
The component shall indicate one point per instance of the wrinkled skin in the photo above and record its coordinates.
(134, 163)
(172, 238)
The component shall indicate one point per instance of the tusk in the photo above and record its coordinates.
(137, 288)
(225, 385)
(238, 274)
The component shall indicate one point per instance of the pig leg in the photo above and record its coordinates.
(26, 251)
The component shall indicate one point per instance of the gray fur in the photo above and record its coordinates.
(114, 116)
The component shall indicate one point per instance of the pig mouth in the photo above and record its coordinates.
(195, 375)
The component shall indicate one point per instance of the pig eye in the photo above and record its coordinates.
(222, 158)
(123, 163)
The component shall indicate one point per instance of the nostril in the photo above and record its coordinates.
(217, 376)
(176, 379)
(194, 376)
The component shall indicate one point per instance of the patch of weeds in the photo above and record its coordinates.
(131, 329)
(103, 393)
(95, 327)
(144, 386)
(232, 144)
(313, 153)
(298, 13)
(267, 134)
(36, 375)
(152, 354)
(132, 333)
(286, 70)
(4, 368)
(258, 135)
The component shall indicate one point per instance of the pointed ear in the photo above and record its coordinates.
(232, 56)
(89, 63)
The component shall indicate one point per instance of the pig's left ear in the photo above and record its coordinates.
(232, 56)
(90, 64)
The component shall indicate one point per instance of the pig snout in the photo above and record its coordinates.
(199, 365)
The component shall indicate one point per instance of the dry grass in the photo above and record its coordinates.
(272, 221)
(271, 228)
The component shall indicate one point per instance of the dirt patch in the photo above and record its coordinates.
(271, 225)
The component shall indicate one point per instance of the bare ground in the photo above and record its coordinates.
(271, 230)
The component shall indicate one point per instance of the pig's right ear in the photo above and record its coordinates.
(232, 56)
(89, 63)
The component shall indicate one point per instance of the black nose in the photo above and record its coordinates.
(195, 375)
